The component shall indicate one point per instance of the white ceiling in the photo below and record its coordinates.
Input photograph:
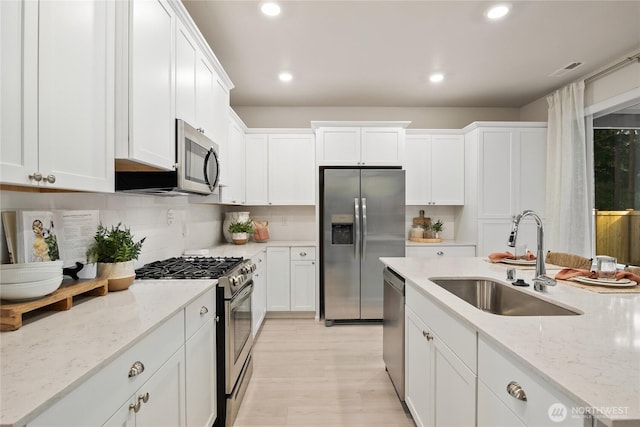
(380, 53)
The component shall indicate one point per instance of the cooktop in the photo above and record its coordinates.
(188, 268)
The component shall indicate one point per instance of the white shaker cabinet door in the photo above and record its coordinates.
(531, 170)
(381, 146)
(447, 169)
(205, 98)
(303, 285)
(232, 175)
(418, 169)
(292, 169)
(278, 298)
(186, 60)
(495, 186)
(201, 376)
(18, 90)
(339, 146)
(151, 84)
(257, 169)
(418, 371)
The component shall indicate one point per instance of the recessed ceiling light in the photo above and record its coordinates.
(285, 76)
(270, 9)
(436, 77)
(498, 11)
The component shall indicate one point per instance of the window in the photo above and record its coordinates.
(616, 153)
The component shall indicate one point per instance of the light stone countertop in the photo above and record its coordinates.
(49, 356)
(250, 249)
(594, 358)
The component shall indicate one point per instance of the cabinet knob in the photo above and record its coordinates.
(203, 310)
(303, 254)
(136, 369)
(515, 390)
(51, 179)
(36, 176)
(440, 253)
(427, 335)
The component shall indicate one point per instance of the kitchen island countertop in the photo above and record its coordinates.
(593, 358)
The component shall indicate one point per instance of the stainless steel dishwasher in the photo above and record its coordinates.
(393, 329)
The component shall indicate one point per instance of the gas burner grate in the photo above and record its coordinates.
(188, 268)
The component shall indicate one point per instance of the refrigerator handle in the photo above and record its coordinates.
(364, 226)
(356, 242)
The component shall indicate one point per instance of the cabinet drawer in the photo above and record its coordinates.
(497, 370)
(435, 251)
(459, 337)
(105, 391)
(199, 312)
(303, 253)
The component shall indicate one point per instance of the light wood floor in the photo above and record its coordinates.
(306, 374)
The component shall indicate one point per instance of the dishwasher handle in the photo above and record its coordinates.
(394, 279)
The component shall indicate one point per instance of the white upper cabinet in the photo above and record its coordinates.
(292, 169)
(360, 143)
(57, 115)
(232, 171)
(434, 166)
(166, 71)
(280, 169)
(512, 171)
(257, 169)
(145, 95)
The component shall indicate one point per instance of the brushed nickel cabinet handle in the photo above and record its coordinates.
(303, 254)
(203, 310)
(427, 335)
(36, 176)
(440, 253)
(135, 406)
(136, 369)
(51, 179)
(143, 397)
(515, 390)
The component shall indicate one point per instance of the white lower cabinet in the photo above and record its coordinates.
(167, 378)
(160, 401)
(200, 357)
(440, 251)
(291, 279)
(544, 404)
(440, 388)
(259, 295)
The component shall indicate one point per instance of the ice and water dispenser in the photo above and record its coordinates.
(342, 232)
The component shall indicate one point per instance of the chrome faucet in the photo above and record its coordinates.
(541, 280)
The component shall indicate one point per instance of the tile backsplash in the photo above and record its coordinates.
(444, 213)
(170, 224)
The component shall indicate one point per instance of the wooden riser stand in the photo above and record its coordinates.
(60, 300)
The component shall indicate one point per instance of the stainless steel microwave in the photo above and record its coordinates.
(197, 168)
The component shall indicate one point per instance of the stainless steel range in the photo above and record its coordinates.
(234, 337)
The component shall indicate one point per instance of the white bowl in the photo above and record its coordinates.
(29, 290)
(29, 272)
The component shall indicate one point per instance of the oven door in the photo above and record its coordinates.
(239, 338)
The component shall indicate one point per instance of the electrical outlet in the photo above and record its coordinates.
(171, 216)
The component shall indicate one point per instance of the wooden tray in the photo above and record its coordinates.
(421, 240)
(61, 299)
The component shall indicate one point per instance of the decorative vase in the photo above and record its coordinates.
(120, 275)
(230, 217)
(239, 238)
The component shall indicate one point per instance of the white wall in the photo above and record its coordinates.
(421, 118)
(193, 226)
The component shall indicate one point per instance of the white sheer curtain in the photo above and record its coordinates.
(568, 211)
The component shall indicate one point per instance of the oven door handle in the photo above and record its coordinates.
(242, 295)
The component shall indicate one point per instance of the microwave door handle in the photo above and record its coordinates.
(209, 157)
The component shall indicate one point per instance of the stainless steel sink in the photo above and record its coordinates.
(497, 298)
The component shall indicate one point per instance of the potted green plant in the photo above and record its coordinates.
(114, 249)
(240, 231)
(437, 227)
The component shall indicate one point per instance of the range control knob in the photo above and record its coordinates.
(233, 280)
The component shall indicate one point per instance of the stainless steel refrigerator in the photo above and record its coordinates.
(363, 219)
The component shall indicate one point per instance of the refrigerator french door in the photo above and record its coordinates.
(363, 220)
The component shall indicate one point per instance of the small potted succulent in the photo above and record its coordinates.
(114, 249)
(240, 231)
